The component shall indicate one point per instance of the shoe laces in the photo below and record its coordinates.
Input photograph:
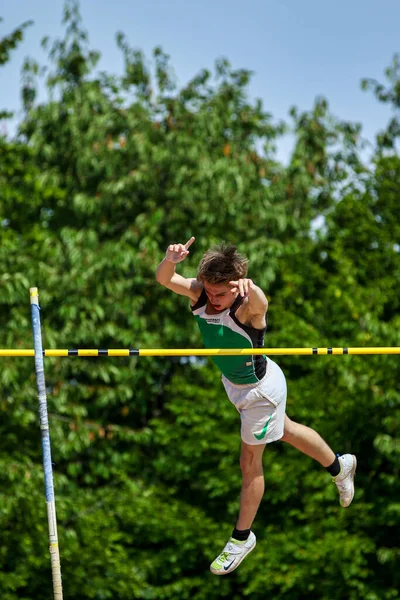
(222, 557)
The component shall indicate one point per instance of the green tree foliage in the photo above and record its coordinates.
(7, 45)
(102, 177)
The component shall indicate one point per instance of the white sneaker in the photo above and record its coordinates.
(345, 479)
(232, 555)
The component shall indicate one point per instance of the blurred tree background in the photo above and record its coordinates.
(100, 178)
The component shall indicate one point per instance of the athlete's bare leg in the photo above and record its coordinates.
(307, 441)
(252, 484)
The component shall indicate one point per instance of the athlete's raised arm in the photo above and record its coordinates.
(167, 276)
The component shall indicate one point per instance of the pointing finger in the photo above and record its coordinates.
(189, 242)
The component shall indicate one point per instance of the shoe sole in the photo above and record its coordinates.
(223, 572)
(353, 474)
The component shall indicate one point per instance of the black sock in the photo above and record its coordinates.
(240, 535)
(334, 468)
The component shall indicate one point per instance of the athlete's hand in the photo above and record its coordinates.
(176, 253)
(243, 286)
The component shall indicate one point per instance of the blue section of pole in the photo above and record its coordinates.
(47, 464)
(41, 388)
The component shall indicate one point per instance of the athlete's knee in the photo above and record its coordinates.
(251, 460)
(289, 430)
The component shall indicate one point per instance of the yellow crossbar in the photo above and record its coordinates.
(202, 352)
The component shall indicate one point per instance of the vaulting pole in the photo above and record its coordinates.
(44, 426)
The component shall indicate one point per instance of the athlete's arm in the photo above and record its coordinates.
(167, 276)
(256, 304)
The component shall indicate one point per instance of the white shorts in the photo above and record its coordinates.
(261, 406)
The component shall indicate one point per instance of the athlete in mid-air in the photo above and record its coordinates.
(231, 313)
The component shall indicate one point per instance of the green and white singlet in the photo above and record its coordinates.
(223, 330)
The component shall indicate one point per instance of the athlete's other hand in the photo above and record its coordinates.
(176, 253)
(243, 286)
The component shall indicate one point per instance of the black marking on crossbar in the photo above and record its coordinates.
(329, 350)
(133, 352)
(72, 352)
(103, 353)
(345, 350)
(315, 350)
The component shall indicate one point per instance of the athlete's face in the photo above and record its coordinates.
(220, 295)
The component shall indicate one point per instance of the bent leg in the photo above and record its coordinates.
(252, 484)
(307, 441)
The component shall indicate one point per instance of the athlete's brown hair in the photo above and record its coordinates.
(222, 264)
